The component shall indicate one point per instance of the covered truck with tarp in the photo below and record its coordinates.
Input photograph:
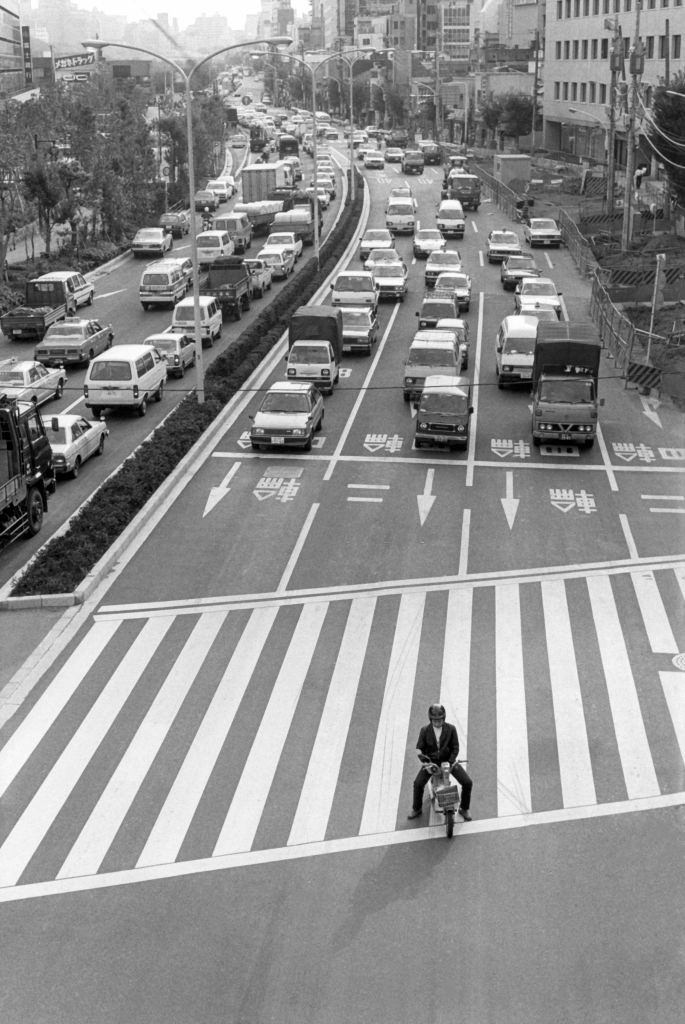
(565, 383)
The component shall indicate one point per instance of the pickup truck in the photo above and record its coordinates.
(228, 281)
(260, 277)
(46, 303)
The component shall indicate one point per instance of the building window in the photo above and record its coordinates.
(627, 5)
(574, 91)
(605, 6)
(602, 93)
(663, 47)
(664, 3)
(567, 49)
(557, 49)
(565, 90)
(560, 10)
(593, 92)
(584, 47)
(575, 49)
(617, 6)
(557, 90)
(651, 4)
(626, 47)
(594, 48)
(676, 47)
(586, 8)
(576, 8)
(583, 92)
(650, 48)
(605, 49)
(568, 8)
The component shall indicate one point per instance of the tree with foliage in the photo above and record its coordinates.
(666, 132)
(507, 115)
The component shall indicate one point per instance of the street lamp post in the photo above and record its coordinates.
(350, 62)
(99, 44)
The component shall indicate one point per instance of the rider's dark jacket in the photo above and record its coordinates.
(449, 743)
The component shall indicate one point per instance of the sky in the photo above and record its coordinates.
(185, 13)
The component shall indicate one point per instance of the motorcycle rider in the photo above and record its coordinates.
(438, 742)
(206, 219)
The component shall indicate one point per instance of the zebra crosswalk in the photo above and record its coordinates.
(174, 732)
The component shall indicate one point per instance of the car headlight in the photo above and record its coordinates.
(408, 380)
(461, 428)
(292, 372)
(507, 369)
(297, 432)
(258, 430)
(325, 373)
(423, 426)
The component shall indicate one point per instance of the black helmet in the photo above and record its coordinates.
(436, 711)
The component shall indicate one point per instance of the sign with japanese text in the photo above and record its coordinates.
(77, 60)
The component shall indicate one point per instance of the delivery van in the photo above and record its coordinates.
(514, 349)
(162, 283)
(211, 320)
(211, 245)
(238, 228)
(124, 375)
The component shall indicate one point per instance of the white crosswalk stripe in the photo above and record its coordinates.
(533, 685)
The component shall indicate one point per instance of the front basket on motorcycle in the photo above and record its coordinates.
(447, 796)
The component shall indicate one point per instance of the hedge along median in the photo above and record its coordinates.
(63, 563)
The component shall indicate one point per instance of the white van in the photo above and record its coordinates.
(238, 227)
(399, 216)
(211, 322)
(515, 347)
(125, 375)
(211, 245)
(162, 283)
(450, 218)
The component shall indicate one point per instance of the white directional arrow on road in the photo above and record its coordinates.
(649, 408)
(425, 500)
(217, 493)
(510, 504)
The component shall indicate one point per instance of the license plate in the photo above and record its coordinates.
(17, 331)
(526, 374)
(277, 440)
(565, 437)
(441, 439)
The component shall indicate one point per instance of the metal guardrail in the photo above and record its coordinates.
(626, 344)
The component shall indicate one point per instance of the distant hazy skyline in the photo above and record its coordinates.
(235, 12)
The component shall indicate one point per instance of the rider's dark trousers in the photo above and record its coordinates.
(460, 775)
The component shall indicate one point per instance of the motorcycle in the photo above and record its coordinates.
(207, 221)
(444, 793)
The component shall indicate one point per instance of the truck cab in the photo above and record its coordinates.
(565, 382)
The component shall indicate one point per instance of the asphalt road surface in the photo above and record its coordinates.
(205, 795)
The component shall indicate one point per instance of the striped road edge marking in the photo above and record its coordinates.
(353, 844)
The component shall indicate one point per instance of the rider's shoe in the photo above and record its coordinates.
(414, 814)
(465, 814)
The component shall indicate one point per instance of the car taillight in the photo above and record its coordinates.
(85, 391)
(135, 390)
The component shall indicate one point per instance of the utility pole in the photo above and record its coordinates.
(616, 65)
(637, 63)
(535, 90)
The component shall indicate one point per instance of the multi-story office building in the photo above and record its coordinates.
(579, 37)
(11, 61)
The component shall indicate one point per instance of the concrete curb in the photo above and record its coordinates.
(139, 528)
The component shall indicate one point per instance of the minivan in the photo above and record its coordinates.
(211, 245)
(125, 375)
(211, 321)
(444, 412)
(238, 228)
(162, 283)
(400, 217)
(426, 358)
(515, 347)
